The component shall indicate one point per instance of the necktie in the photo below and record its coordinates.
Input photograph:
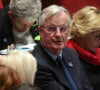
(67, 74)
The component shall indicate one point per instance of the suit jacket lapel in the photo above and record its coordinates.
(69, 58)
(57, 70)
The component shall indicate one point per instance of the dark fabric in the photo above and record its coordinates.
(67, 74)
(6, 34)
(93, 74)
(84, 54)
(92, 71)
(26, 87)
(50, 76)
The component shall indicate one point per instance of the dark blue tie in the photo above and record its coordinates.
(67, 74)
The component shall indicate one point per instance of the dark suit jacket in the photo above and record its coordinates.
(93, 74)
(25, 86)
(6, 34)
(50, 76)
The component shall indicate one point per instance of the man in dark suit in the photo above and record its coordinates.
(16, 21)
(54, 27)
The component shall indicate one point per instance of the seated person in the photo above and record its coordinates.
(85, 40)
(59, 67)
(23, 63)
(9, 78)
(16, 21)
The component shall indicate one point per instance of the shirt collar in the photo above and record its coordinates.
(53, 56)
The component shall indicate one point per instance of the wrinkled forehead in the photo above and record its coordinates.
(57, 19)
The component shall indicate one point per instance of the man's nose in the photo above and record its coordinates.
(58, 32)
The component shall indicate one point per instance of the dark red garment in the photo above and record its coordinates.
(1, 6)
(84, 54)
(75, 5)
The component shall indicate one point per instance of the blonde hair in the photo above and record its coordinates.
(85, 21)
(23, 62)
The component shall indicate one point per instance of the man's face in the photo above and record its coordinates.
(54, 32)
(21, 25)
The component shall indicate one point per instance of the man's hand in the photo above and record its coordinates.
(10, 48)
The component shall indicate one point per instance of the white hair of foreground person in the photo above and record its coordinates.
(23, 62)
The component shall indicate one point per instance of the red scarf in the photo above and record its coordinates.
(85, 55)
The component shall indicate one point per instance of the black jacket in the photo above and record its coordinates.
(26, 87)
(93, 74)
(50, 77)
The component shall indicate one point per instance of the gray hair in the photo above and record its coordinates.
(51, 10)
(29, 9)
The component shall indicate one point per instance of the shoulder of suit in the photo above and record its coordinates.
(24, 86)
(69, 51)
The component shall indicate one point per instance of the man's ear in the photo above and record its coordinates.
(10, 14)
(40, 30)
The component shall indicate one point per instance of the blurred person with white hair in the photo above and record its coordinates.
(16, 22)
(23, 63)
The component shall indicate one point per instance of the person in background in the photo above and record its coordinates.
(16, 21)
(9, 78)
(85, 40)
(58, 67)
(24, 63)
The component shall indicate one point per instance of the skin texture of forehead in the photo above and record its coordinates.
(56, 21)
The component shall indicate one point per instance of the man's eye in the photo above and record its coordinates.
(97, 37)
(23, 25)
(63, 28)
(51, 28)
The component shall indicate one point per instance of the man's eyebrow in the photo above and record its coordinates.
(66, 23)
(52, 25)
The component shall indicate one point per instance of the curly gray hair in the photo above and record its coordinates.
(25, 8)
